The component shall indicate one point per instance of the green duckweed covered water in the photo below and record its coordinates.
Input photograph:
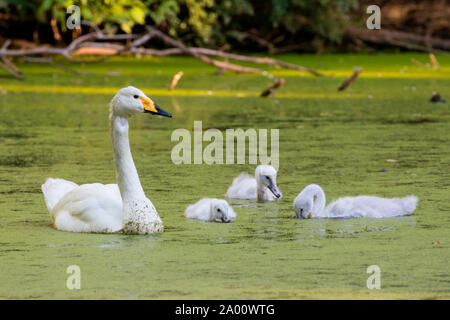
(55, 124)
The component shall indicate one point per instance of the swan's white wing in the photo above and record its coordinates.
(342, 208)
(377, 207)
(199, 210)
(55, 189)
(369, 206)
(243, 187)
(90, 208)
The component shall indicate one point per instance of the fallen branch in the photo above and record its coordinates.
(417, 47)
(225, 55)
(85, 43)
(8, 65)
(258, 60)
(277, 84)
(218, 64)
(434, 61)
(405, 39)
(350, 80)
(175, 80)
(418, 63)
(77, 43)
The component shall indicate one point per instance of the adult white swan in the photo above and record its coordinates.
(262, 187)
(109, 208)
(310, 203)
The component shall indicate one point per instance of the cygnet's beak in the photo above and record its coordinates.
(274, 189)
(302, 216)
(151, 107)
(226, 220)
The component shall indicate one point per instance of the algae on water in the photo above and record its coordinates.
(58, 127)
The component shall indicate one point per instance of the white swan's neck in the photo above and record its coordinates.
(260, 190)
(319, 200)
(127, 176)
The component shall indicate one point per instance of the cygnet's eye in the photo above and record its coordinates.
(135, 96)
(267, 177)
(218, 210)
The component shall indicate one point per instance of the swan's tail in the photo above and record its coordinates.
(55, 189)
(409, 204)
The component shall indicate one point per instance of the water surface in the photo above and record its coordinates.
(54, 124)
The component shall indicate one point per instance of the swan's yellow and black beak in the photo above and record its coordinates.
(151, 107)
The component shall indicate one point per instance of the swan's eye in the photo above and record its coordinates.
(135, 96)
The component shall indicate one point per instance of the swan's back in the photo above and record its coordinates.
(200, 210)
(243, 187)
(370, 206)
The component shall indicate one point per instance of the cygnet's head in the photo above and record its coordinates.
(130, 100)
(221, 210)
(312, 198)
(303, 207)
(267, 175)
